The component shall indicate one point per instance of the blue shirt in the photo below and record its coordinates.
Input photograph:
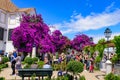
(15, 54)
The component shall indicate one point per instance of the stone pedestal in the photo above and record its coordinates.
(103, 66)
(108, 66)
(34, 52)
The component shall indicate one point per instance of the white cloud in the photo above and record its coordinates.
(94, 21)
(96, 38)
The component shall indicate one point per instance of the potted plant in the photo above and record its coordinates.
(75, 67)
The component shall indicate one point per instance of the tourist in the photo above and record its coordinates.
(18, 62)
(6, 54)
(91, 68)
(0, 59)
(14, 53)
(68, 57)
(13, 62)
(63, 57)
(85, 63)
(60, 59)
(46, 65)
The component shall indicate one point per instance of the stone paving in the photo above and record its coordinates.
(97, 75)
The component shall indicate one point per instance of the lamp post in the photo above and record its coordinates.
(107, 34)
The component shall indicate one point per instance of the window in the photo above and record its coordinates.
(12, 19)
(1, 33)
(9, 34)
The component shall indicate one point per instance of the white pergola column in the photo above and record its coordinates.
(108, 66)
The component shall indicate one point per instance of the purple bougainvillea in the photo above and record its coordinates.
(60, 42)
(80, 41)
(32, 31)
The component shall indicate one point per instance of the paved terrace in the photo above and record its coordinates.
(97, 75)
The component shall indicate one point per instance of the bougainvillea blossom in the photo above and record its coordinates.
(80, 41)
(32, 31)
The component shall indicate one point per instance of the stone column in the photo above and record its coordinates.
(108, 66)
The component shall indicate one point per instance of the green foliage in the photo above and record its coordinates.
(111, 76)
(0, 68)
(61, 78)
(116, 41)
(33, 77)
(40, 64)
(35, 59)
(82, 78)
(5, 59)
(92, 50)
(97, 62)
(57, 55)
(56, 67)
(2, 78)
(23, 62)
(4, 66)
(75, 67)
(27, 66)
(28, 60)
(86, 48)
(100, 47)
(63, 66)
(97, 59)
(114, 59)
(101, 41)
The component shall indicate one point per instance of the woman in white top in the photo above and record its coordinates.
(18, 62)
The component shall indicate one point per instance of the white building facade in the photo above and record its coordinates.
(9, 19)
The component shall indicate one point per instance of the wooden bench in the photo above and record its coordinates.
(38, 72)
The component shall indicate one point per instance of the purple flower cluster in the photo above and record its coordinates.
(34, 32)
(80, 41)
(59, 41)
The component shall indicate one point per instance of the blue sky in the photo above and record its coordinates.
(72, 17)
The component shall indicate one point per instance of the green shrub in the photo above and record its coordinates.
(69, 77)
(75, 67)
(27, 66)
(35, 59)
(28, 60)
(2, 78)
(82, 78)
(63, 66)
(97, 59)
(111, 76)
(61, 78)
(114, 59)
(23, 62)
(5, 59)
(56, 67)
(40, 64)
(4, 65)
(0, 68)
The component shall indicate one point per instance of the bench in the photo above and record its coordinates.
(38, 72)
